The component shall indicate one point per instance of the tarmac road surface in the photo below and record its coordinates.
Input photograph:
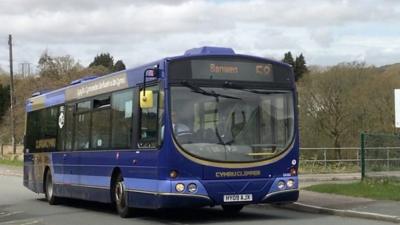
(20, 206)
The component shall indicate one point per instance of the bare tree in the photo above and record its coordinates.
(325, 101)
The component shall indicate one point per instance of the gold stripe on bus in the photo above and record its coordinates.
(238, 165)
(38, 102)
(98, 86)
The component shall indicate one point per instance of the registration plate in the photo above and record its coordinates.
(238, 198)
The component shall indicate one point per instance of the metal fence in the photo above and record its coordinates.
(7, 149)
(329, 160)
(326, 160)
(380, 155)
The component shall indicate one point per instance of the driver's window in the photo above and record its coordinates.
(149, 123)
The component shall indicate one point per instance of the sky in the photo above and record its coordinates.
(327, 32)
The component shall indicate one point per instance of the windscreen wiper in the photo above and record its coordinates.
(199, 90)
(238, 87)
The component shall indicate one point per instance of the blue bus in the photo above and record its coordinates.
(207, 128)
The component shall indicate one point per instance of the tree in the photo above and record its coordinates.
(104, 59)
(57, 67)
(4, 99)
(119, 65)
(288, 58)
(300, 67)
(46, 65)
(331, 106)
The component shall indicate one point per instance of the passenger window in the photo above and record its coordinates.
(122, 114)
(82, 126)
(149, 123)
(33, 131)
(42, 130)
(101, 119)
(83, 106)
(101, 129)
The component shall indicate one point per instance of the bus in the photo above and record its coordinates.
(206, 128)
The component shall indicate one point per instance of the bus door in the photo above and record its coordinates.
(150, 111)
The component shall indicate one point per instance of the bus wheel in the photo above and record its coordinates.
(49, 190)
(121, 198)
(232, 209)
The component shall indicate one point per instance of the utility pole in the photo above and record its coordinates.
(12, 97)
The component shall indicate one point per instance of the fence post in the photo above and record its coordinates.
(362, 154)
(1, 149)
(325, 160)
(388, 159)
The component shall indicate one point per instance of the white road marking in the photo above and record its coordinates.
(21, 222)
(5, 214)
(30, 223)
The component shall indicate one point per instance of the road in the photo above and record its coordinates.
(20, 206)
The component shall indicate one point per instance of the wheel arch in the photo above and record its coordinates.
(116, 171)
(46, 170)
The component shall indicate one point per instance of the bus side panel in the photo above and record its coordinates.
(34, 167)
(93, 175)
(57, 170)
(140, 171)
(29, 176)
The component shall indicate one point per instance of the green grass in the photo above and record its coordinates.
(310, 168)
(380, 189)
(11, 162)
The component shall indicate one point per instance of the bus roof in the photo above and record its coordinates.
(93, 85)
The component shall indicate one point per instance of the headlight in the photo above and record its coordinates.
(281, 184)
(290, 183)
(192, 188)
(179, 187)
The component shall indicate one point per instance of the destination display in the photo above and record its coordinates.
(231, 70)
(227, 70)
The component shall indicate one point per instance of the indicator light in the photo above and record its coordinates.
(281, 184)
(192, 188)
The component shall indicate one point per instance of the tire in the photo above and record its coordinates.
(49, 190)
(232, 209)
(121, 198)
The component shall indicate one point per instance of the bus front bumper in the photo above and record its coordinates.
(167, 200)
(286, 196)
(213, 192)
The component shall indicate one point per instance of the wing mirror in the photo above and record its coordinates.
(146, 99)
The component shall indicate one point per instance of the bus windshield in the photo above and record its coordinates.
(230, 124)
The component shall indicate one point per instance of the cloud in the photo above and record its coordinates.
(140, 31)
(322, 36)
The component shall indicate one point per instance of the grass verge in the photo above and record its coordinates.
(11, 162)
(380, 189)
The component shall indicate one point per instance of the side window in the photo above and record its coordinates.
(42, 130)
(122, 114)
(149, 123)
(48, 129)
(101, 120)
(82, 126)
(32, 131)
